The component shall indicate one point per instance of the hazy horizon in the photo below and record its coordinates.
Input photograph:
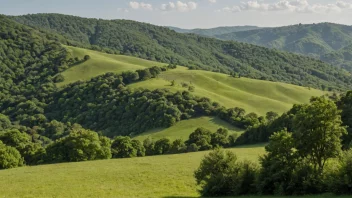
(191, 14)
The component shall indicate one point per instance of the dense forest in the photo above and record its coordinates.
(196, 52)
(326, 41)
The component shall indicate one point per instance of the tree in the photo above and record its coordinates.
(345, 105)
(79, 145)
(122, 147)
(178, 146)
(86, 57)
(220, 138)
(139, 147)
(30, 151)
(9, 157)
(149, 146)
(318, 131)
(219, 174)
(202, 138)
(278, 164)
(162, 146)
(271, 116)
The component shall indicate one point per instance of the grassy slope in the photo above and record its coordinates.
(184, 128)
(253, 95)
(100, 63)
(156, 176)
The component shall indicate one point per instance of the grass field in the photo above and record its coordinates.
(155, 176)
(184, 128)
(253, 95)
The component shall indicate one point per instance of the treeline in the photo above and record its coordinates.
(307, 160)
(261, 133)
(18, 148)
(164, 45)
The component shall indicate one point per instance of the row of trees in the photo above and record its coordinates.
(18, 148)
(296, 162)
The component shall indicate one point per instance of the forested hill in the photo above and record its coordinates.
(323, 41)
(213, 32)
(164, 45)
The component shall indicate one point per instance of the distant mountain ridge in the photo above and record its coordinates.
(325, 41)
(213, 32)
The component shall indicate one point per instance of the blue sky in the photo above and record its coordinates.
(194, 13)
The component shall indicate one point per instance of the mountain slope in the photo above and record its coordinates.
(316, 40)
(213, 32)
(164, 45)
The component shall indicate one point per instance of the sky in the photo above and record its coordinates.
(194, 13)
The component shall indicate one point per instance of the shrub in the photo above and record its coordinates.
(9, 157)
(340, 181)
(220, 174)
(79, 145)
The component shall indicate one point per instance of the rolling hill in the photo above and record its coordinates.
(321, 40)
(164, 45)
(253, 95)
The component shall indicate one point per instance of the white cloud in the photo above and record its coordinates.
(212, 1)
(136, 5)
(299, 6)
(179, 6)
(122, 10)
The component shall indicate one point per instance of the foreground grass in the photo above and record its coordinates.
(185, 127)
(155, 176)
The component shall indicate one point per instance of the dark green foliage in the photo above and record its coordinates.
(202, 138)
(178, 146)
(192, 148)
(220, 174)
(162, 146)
(345, 105)
(86, 57)
(139, 147)
(79, 145)
(164, 45)
(123, 147)
(9, 157)
(149, 146)
(220, 138)
(278, 165)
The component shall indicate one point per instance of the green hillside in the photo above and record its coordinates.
(317, 40)
(182, 129)
(100, 63)
(253, 95)
(164, 45)
(156, 176)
